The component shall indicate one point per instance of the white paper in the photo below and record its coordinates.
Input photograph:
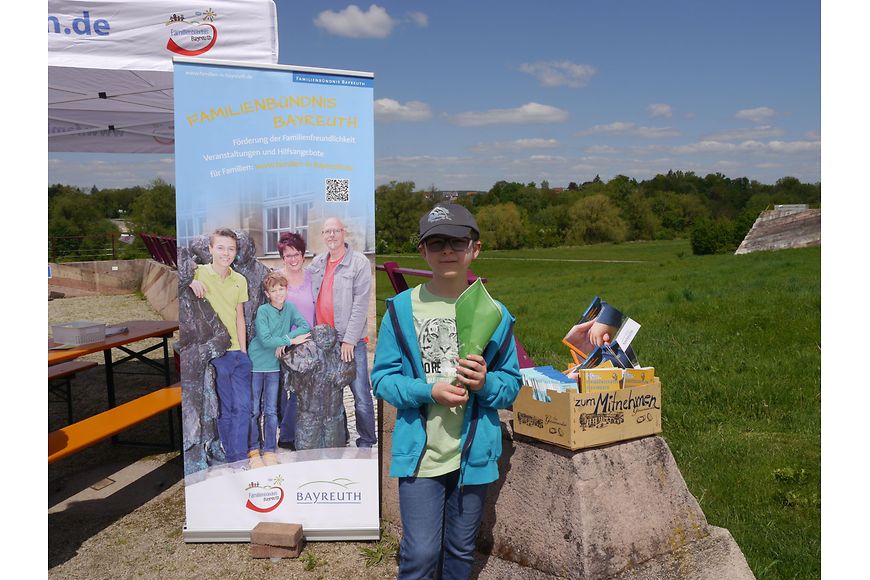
(626, 333)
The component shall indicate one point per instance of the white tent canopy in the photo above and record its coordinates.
(110, 65)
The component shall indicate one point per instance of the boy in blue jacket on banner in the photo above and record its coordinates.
(447, 437)
(279, 324)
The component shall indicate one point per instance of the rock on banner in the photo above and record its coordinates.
(264, 150)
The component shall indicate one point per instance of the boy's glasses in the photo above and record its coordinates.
(456, 244)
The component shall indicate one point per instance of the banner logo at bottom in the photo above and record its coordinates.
(264, 498)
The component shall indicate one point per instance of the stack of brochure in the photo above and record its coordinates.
(543, 378)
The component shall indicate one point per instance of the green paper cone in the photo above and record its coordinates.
(477, 317)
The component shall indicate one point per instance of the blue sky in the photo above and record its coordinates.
(467, 93)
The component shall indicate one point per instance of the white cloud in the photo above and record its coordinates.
(711, 147)
(623, 128)
(419, 18)
(418, 160)
(611, 128)
(547, 158)
(83, 171)
(516, 145)
(660, 110)
(748, 133)
(656, 132)
(748, 146)
(354, 23)
(392, 110)
(788, 147)
(756, 115)
(600, 149)
(528, 113)
(556, 74)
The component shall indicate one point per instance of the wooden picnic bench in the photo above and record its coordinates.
(73, 438)
(396, 275)
(66, 371)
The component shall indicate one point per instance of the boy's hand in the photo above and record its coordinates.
(471, 371)
(198, 288)
(346, 352)
(279, 352)
(301, 339)
(601, 333)
(449, 395)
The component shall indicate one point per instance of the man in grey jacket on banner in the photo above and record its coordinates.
(342, 282)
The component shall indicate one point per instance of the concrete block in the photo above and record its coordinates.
(265, 551)
(160, 288)
(277, 534)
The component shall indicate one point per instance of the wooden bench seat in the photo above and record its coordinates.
(65, 372)
(68, 369)
(87, 432)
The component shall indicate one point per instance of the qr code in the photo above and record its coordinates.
(338, 190)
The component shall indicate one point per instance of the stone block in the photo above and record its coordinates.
(277, 534)
(265, 551)
(160, 288)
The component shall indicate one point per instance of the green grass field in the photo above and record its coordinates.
(736, 341)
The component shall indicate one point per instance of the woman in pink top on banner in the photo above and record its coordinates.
(291, 247)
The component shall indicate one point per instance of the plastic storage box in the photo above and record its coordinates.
(78, 332)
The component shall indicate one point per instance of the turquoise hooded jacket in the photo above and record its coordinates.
(398, 379)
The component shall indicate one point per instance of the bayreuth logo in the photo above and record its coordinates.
(438, 214)
(336, 491)
(192, 36)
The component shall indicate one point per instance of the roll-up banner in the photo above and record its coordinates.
(272, 160)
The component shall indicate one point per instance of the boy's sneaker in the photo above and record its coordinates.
(269, 458)
(254, 459)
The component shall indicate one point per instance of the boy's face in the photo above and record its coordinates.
(276, 295)
(223, 251)
(449, 257)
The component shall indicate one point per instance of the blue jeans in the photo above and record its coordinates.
(288, 417)
(264, 395)
(440, 521)
(233, 378)
(363, 407)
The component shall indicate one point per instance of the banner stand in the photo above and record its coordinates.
(263, 151)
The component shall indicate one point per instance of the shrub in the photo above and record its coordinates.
(712, 237)
(595, 219)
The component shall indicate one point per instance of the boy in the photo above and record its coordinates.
(447, 437)
(274, 322)
(227, 291)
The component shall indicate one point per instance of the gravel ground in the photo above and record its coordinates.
(136, 531)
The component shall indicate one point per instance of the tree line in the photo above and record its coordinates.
(80, 226)
(714, 211)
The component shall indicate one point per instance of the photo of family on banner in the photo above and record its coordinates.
(275, 206)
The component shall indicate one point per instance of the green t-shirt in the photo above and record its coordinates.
(224, 295)
(435, 323)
